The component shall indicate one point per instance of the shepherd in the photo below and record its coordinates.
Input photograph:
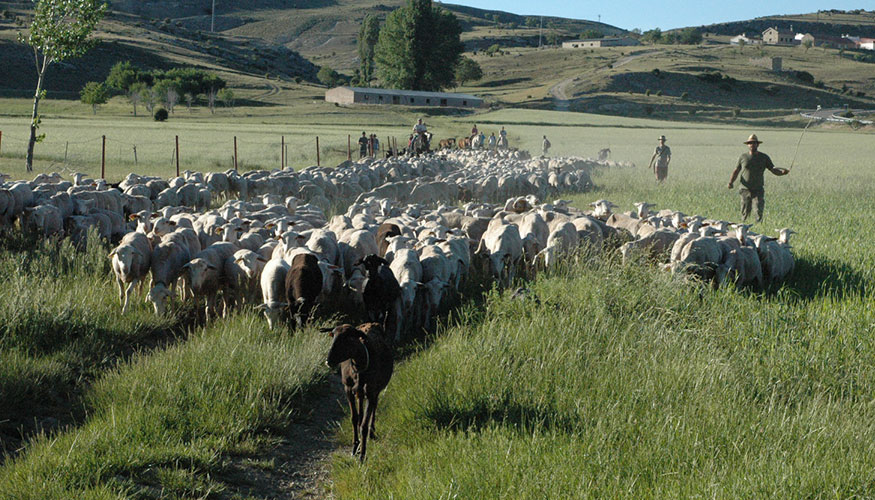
(660, 160)
(752, 165)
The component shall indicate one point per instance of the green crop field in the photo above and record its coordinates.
(620, 382)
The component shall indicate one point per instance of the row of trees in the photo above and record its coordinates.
(165, 86)
(686, 36)
(418, 47)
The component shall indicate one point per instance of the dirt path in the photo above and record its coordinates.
(298, 467)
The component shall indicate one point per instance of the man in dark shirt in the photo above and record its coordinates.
(363, 145)
(752, 165)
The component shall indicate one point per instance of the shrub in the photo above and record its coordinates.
(692, 112)
(736, 112)
(160, 115)
(298, 79)
(647, 92)
(659, 92)
(655, 72)
(493, 49)
(805, 77)
(685, 96)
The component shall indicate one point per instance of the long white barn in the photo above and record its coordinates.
(361, 95)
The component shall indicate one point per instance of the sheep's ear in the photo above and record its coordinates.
(187, 266)
(211, 266)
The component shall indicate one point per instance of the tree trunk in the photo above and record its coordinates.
(135, 110)
(33, 120)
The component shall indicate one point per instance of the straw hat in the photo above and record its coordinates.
(662, 138)
(753, 138)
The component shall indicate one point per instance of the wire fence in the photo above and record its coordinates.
(112, 156)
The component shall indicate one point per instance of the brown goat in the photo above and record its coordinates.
(366, 364)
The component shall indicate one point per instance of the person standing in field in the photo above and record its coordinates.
(376, 143)
(491, 143)
(545, 146)
(751, 166)
(363, 145)
(502, 138)
(660, 160)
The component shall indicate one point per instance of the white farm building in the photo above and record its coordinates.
(360, 95)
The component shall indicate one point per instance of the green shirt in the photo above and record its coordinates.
(752, 168)
(662, 153)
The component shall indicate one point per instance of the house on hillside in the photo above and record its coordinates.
(593, 43)
(866, 44)
(832, 42)
(360, 95)
(776, 36)
(748, 40)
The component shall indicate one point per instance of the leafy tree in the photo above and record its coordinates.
(496, 18)
(136, 94)
(367, 42)
(592, 34)
(95, 94)
(669, 38)
(741, 44)
(493, 49)
(166, 92)
(419, 47)
(160, 115)
(689, 36)
(226, 95)
(652, 36)
(189, 100)
(60, 29)
(468, 70)
(531, 22)
(807, 43)
(328, 76)
(122, 75)
(552, 34)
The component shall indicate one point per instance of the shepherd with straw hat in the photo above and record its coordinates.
(660, 160)
(751, 166)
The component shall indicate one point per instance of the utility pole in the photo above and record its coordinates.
(600, 17)
(213, 19)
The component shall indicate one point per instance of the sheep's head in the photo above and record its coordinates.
(784, 235)
(199, 271)
(158, 296)
(347, 343)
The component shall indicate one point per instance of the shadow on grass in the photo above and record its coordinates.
(483, 413)
(819, 276)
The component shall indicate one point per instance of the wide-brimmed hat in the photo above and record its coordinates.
(662, 138)
(753, 138)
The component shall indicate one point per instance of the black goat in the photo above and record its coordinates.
(366, 364)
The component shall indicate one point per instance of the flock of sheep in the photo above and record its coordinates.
(414, 231)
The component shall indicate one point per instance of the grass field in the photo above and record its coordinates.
(622, 383)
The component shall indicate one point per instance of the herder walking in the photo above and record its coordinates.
(363, 145)
(752, 165)
(660, 160)
(545, 146)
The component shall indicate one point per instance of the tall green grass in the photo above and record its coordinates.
(625, 382)
(60, 328)
(163, 421)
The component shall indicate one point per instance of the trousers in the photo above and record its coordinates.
(747, 199)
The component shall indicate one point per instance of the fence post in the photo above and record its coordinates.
(235, 153)
(135, 154)
(177, 156)
(66, 147)
(283, 153)
(388, 144)
(348, 147)
(1, 142)
(103, 159)
(318, 162)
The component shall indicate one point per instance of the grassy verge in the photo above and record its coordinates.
(159, 425)
(623, 382)
(60, 328)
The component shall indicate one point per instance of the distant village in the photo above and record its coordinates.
(777, 36)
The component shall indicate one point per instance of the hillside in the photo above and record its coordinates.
(283, 38)
(828, 22)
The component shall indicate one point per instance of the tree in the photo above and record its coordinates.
(166, 92)
(807, 43)
(741, 44)
(689, 36)
(171, 97)
(419, 47)
(592, 34)
(552, 34)
(652, 36)
(328, 76)
(122, 75)
(95, 94)
(60, 29)
(531, 22)
(367, 42)
(227, 96)
(468, 70)
(189, 100)
(136, 93)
